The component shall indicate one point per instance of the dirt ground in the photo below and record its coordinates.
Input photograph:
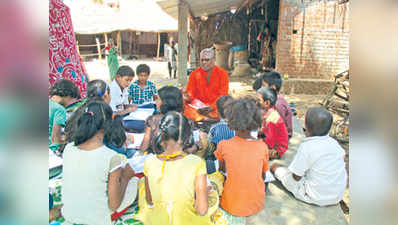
(239, 86)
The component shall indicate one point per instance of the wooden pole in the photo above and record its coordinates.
(130, 43)
(182, 42)
(106, 43)
(77, 47)
(157, 55)
(119, 44)
(106, 39)
(98, 48)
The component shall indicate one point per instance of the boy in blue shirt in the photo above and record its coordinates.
(142, 91)
(218, 132)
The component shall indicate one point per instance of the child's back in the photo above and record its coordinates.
(84, 185)
(244, 189)
(245, 160)
(285, 112)
(172, 189)
(321, 159)
(220, 131)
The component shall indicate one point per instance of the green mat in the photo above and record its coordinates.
(126, 219)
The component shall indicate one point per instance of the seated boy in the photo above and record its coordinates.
(274, 128)
(142, 91)
(119, 91)
(62, 94)
(218, 132)
(317, 173)
(274, 80)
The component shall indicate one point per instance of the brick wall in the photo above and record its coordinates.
(319, 48)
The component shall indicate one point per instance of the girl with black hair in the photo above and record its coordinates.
(95, 182)
(62, 94)
(245, 160)
(170, 99)
(96, 90)
(175, 183)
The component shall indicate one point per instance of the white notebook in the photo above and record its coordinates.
(139, 114)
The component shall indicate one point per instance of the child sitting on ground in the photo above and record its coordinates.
(62, 94)
(142, 91)
(317, 173)
(274, 80)
(175, 183)
(119, 91)
(274, 128)
(218, 132)
(96, 90)
(95, 182)
(246, 161)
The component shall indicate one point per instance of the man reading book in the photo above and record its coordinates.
(206, 84)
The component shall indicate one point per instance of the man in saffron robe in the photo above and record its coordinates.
(206, 84)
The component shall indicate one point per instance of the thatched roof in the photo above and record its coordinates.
(201, 7)
(135, 15)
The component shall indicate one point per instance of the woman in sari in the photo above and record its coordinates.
(113, 63)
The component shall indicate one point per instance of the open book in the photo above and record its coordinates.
(140, 114)
(197, 104)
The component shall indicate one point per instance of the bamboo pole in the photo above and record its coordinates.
(119, 44)
(130, 43)
(106, 39)
(77, 47)
(106, 44)
(98, 48)
(157, 55)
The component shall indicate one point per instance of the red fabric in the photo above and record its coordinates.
(107, 47)
(208, 93)
(117, 215)
(275, 132)
(64, 61)
(139, 175)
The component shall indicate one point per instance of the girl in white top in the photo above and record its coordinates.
(95, 182)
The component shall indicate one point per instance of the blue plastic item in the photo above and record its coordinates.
(239, 48)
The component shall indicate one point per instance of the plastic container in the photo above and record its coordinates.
(239, 48)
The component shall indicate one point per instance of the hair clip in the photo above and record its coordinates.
(99, 92)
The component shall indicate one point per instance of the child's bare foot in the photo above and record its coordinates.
(55, 213)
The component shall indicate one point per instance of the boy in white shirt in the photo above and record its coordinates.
(119, 91)
(317, 174)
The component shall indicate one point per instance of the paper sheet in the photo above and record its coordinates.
(137, 161)
(269, 177)
(53, 160)
(137, 140)
(139, 114)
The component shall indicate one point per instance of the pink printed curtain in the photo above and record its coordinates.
(64, 60)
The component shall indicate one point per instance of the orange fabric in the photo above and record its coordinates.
(208, 93)
(245, 161)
